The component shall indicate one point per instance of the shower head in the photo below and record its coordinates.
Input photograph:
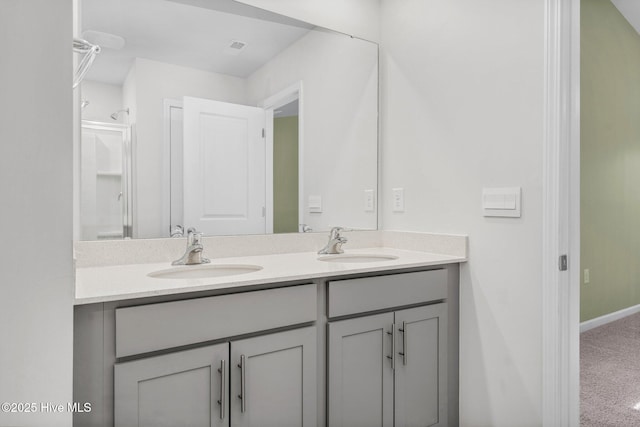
(116, 115)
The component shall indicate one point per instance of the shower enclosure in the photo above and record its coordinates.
(105, 181)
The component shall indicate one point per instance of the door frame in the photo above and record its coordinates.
(270, 104)
(561, 216)
(168, 104)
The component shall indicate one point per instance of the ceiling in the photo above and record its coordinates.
(188, 33)
(630, 9)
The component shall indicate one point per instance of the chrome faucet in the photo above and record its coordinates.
(177, 231)
(193, 253)
(334, 245)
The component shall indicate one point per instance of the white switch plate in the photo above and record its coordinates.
(398, 199)
(369, 201)
(502, 202)
(587, 276)
(315, 204)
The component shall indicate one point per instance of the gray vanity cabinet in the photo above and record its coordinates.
(368, 372)
(318, 354)
(269, 380)
(273, 380)
(421, 366)
(360, 378)
(388, 369)
(242, 373)
(177, 389)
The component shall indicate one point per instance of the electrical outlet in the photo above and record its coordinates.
(398, 199)
(587, 277)
(369, 201)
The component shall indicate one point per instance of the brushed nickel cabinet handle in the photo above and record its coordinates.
(242, 396)
(223, 380)
(393, 346)
(405, 340)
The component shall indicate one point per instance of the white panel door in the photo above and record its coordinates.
(224, 167)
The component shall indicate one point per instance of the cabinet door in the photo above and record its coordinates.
(421, 367)
(273, 380)
(178, 389)
(360, 389)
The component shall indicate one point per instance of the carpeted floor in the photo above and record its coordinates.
(610, 374)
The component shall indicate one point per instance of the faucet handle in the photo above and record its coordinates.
(196, 237)
(193, 236)
(177, 231)
(335, 232)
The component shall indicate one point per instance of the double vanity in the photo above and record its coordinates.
(271, 326)
(269, 338)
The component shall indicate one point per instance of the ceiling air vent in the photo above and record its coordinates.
(235, 47)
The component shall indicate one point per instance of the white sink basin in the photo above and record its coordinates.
(355, 258)
(204, 271)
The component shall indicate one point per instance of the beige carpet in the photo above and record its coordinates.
(610, 374)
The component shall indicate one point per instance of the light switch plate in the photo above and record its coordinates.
(369, 201)
(315, 204)
(502, 202)
(398, 199)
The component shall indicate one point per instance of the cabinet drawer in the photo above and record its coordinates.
(377, 293)
(160, 326)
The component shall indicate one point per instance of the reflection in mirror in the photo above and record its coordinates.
(105, 181)
(241, 121)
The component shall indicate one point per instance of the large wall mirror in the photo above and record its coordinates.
(220, 116)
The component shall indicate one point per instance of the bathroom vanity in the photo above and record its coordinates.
(249, 148)
(300, 342)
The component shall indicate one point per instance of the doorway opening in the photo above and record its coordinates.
(285, 168)
(285, 160)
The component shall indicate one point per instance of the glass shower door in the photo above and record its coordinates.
(105, 181)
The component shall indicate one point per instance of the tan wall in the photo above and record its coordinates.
(610, 160)
(285, 175)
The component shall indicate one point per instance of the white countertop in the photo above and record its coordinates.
(121, 282)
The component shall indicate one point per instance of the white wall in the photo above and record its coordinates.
(462, 103)
(36, 275)
(339, 78)
(462, 109)
(358, 18)
(104, 100)
(154, 82)
(129, 92)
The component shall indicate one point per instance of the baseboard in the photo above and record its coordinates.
(608, 318)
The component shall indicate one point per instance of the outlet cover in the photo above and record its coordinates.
(315, 204)
(398, 199)
(369, 201)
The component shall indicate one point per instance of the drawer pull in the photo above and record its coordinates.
(393, 346)
(405, 340)
(223, 380)
(242, 396)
